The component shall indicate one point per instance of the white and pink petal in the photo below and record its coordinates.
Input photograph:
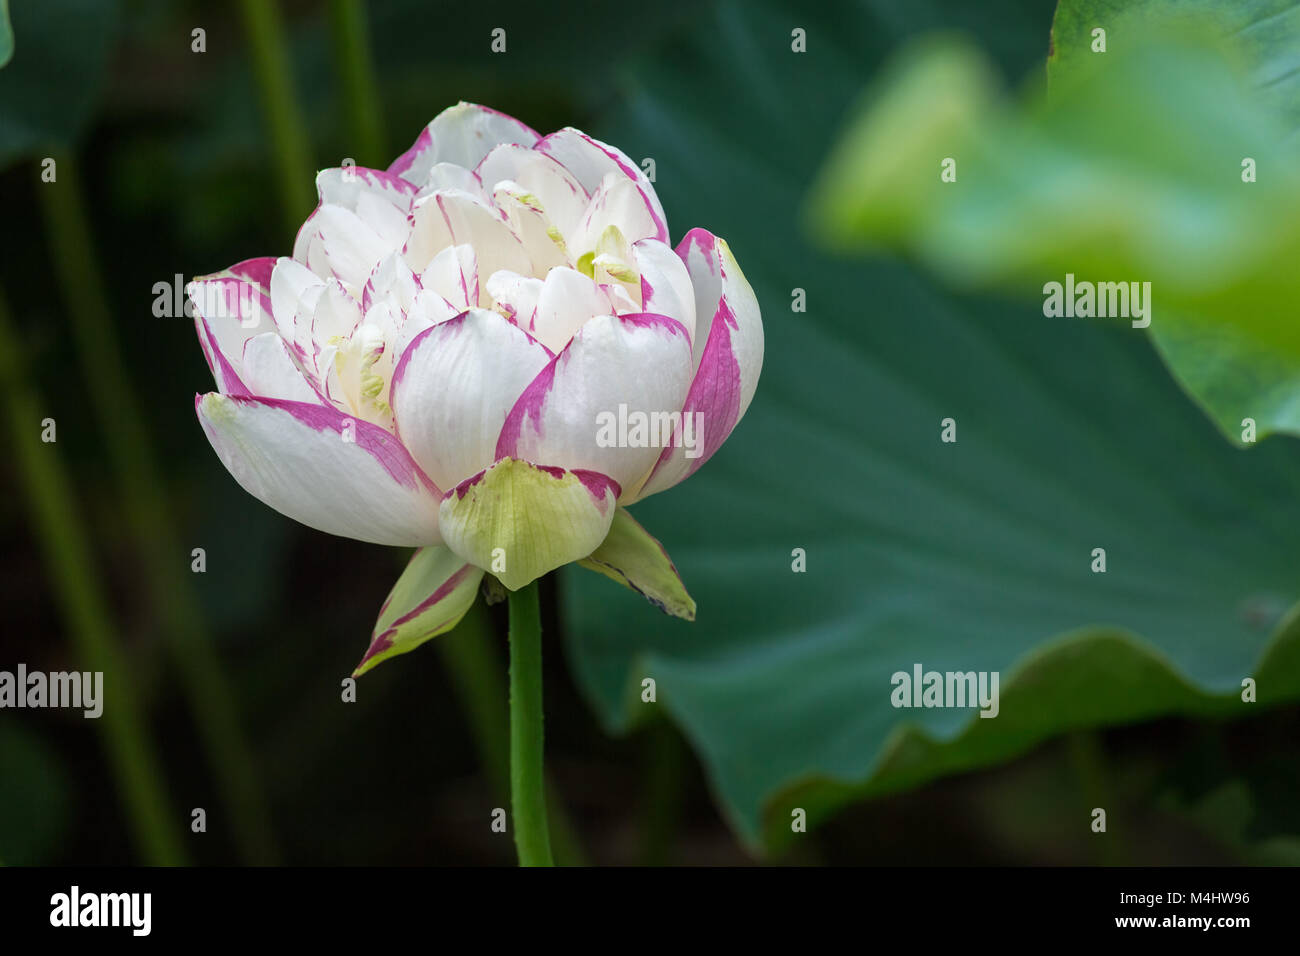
(227, 313)
(323, 469)
(590, 160)
(269, 371)
(582, 411)
(454, 386)
(462, 134)
(429, 599)
(728, 358)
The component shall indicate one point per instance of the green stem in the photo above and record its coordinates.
(357, 77)
(71, 566)
(138, 478)
(271, 64)
(527, 777)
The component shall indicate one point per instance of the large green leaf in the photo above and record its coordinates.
(48, 90)
(6, 34)
(1264, 31)
(973, 555)
(1237, 369)
(1131, 169)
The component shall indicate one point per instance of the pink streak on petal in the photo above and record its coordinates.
(385, 640)
(529, 404)
(404, 162)
(255, 271)
(597, 484)
(378, 442)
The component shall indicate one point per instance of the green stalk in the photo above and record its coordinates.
(139, 481)
(71, 566)
(271, 65)
(351, 34)
(527, 777)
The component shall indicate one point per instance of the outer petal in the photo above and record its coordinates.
(630, 556)
(227, 313)
(257, 272)
(323, 469)
(728, 357)
(461, 134)
(589, 160)
(454, 386)
(429, 599)
(615, 366)
(520, 520)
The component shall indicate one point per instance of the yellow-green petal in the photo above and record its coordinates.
(631, 556)
(429, 599)
(520, 520)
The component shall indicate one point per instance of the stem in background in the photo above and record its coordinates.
(476, 674)
(351, 34)
(139, 485)
(477, 678)
(70, 564)
(271, 65)
(527, 777)
(1088, 758)
(666, 759)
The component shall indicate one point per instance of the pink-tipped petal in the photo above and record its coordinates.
(454, 386)
(590, 160)
(362, 215)
(665, 283)
(227, 313)
(729, 357)
(429, 599)
(323, 469)
(519, 520)
(620, 203)
(462, 134)
(582, 411)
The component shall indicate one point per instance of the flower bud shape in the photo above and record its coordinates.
(489, 348)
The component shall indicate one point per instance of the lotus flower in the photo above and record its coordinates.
(487, 351)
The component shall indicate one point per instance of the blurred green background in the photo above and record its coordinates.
(1118, 690)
